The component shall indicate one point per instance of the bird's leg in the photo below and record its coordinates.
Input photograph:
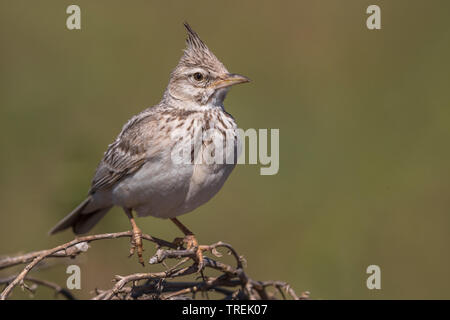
(191, 241)
(136, 239)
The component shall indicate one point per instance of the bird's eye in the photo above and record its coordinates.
(198, 76)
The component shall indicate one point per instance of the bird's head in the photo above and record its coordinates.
(200, 78)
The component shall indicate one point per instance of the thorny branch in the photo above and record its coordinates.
(231, 283)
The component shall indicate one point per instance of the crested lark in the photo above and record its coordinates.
(138, 172)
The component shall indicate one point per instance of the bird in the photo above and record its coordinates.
(138, 171)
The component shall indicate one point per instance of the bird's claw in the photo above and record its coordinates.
(192, 243)
(136, 245)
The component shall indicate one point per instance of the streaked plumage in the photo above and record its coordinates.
(137, 171)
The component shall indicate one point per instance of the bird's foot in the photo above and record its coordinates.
(136, 245)
(192, 243)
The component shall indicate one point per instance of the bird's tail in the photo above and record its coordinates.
(80, 220)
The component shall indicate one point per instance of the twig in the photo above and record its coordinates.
(39, 256)
(58, 290)
(69, 252)
(232, 281)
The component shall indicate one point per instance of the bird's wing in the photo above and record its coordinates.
(132, 148)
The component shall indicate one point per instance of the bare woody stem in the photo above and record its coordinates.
(61, 250)
(232, 281)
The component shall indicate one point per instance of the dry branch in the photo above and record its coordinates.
(232, 281)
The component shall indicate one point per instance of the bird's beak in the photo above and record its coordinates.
(229, 80)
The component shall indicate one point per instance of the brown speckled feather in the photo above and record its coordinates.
(138, 171)
(129, 151)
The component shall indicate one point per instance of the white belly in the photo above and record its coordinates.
(164, 189)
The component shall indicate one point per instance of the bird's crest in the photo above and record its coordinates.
(193, 41)
(197, 53)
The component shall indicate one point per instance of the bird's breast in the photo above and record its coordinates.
(167, 186)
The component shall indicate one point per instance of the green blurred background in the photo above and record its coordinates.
(364, 119)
